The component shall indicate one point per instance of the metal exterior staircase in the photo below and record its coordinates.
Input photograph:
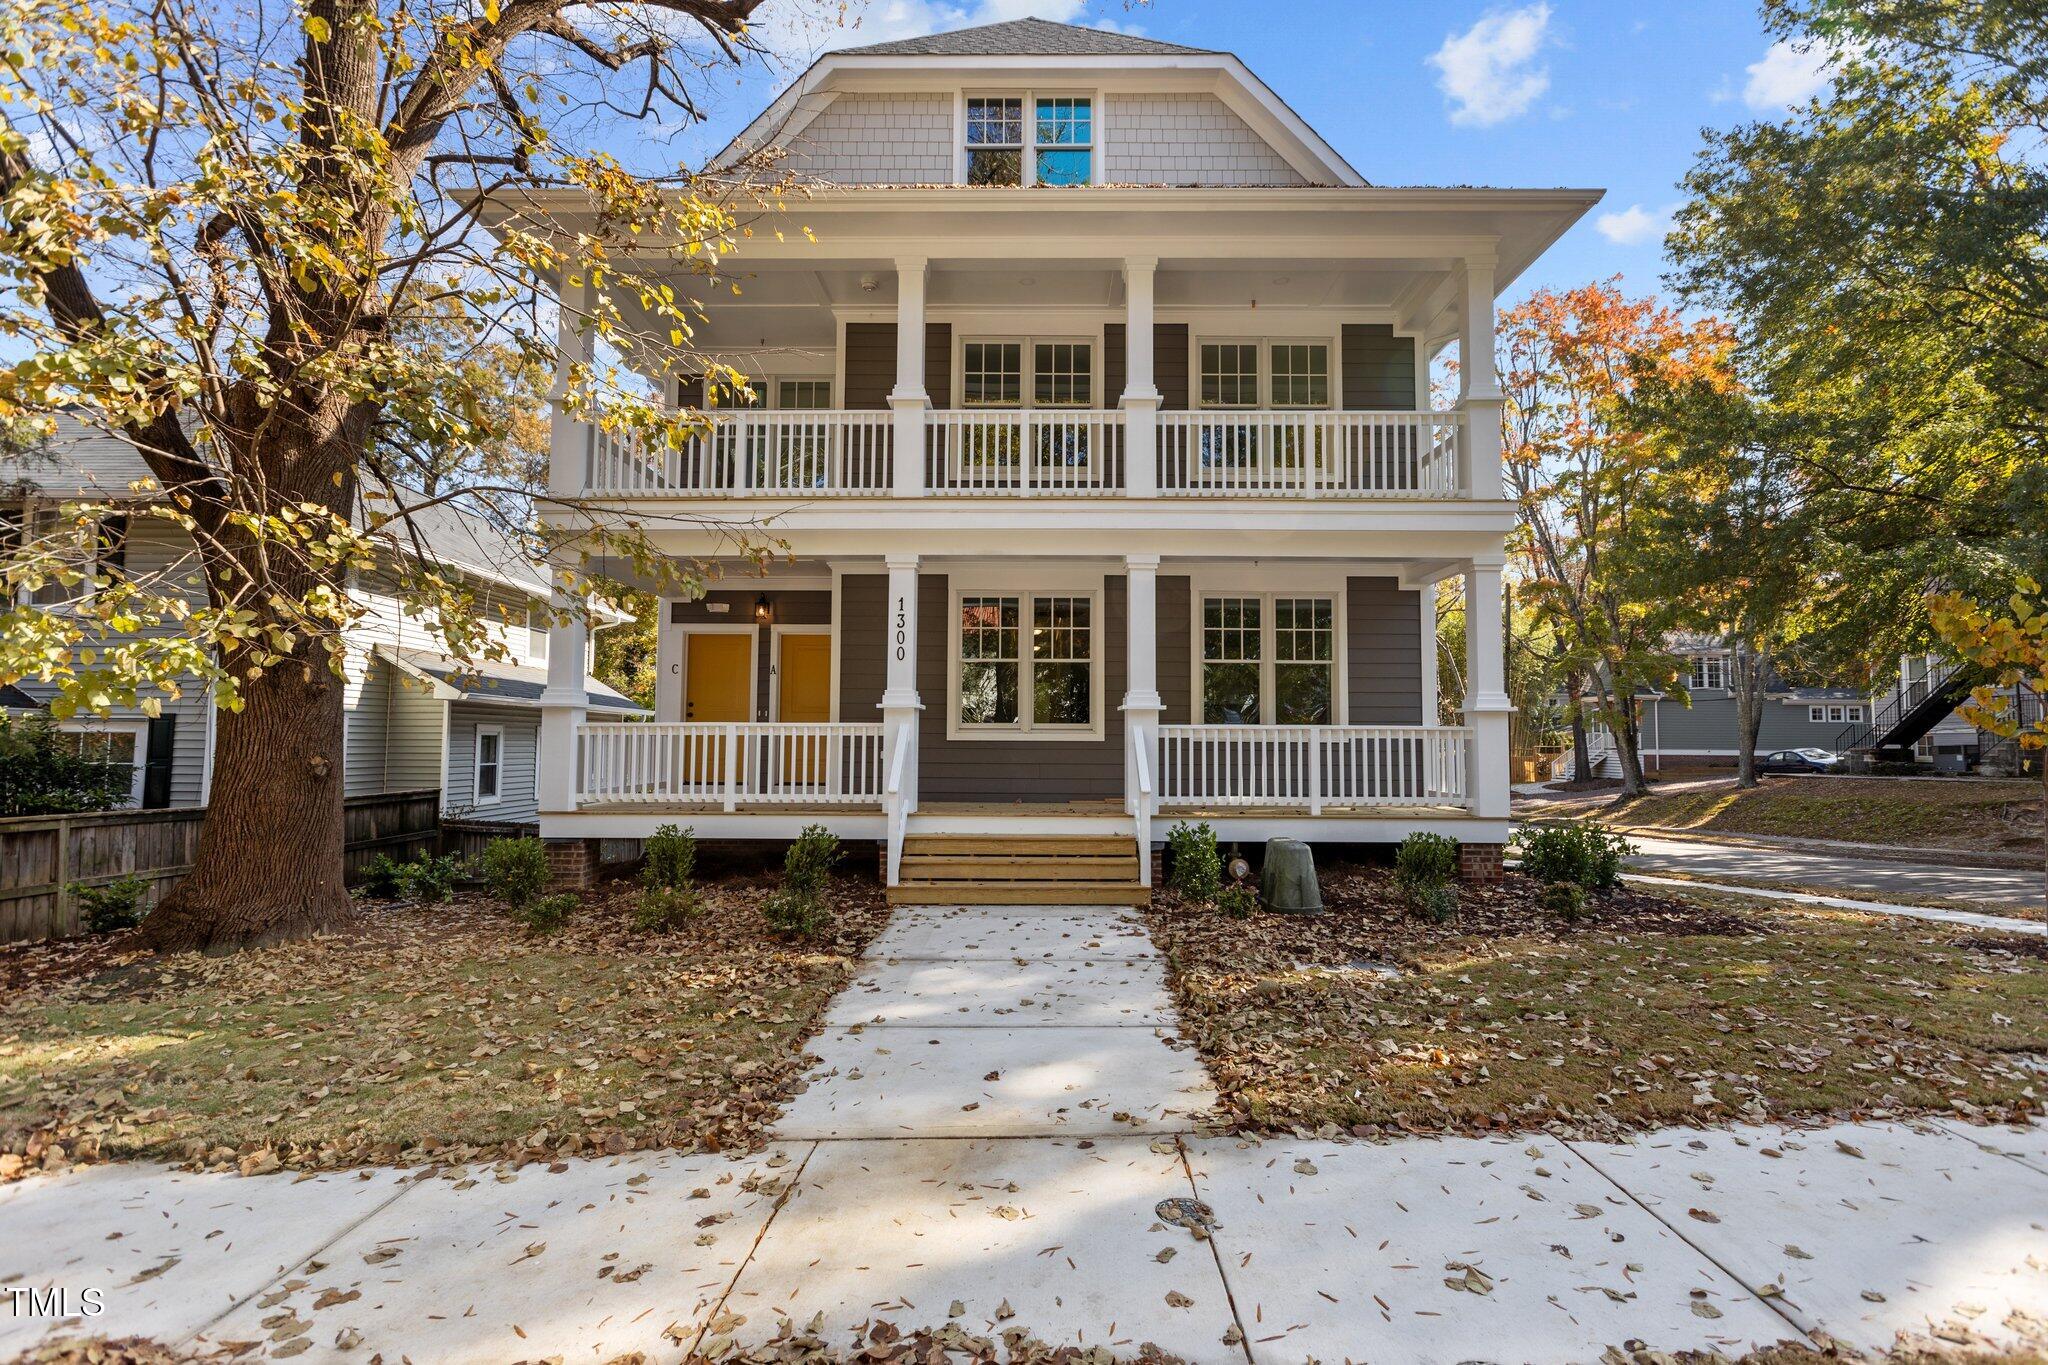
(1911, 711)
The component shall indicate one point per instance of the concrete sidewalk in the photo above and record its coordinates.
(2018, 888)
(965, 1154)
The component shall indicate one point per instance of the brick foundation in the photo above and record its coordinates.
(572, 864)
(1155, 868)
(1480, 864)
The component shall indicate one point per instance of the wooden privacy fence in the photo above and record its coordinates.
(43, 856)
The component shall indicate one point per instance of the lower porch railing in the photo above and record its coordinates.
(1313, 766)
(729, 764)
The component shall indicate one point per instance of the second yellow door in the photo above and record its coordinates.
(804, 696)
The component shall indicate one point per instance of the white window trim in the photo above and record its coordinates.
(1262, 359)
(1340, 648)
(1028, 159)
(476, 766)
(85, 725)
(1023, 727)
(1703, 666)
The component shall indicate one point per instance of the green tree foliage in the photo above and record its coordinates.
(1730, 535)
(42, 773)
(1882, 251)
(627, 656)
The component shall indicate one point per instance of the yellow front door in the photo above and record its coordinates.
(716, 683)
(804, 695)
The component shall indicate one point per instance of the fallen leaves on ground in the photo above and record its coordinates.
(1650, 1010)
(443, 1033)
(883, 1343)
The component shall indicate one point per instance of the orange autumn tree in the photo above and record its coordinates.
(1569, 363)
(2012, 646)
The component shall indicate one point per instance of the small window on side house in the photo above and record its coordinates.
(490, 763)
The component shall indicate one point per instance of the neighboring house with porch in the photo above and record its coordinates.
(415, 718)
(1094, 411)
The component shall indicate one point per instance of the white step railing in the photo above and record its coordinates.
(1314, 766)
(1308, 454)
(795, 453)
(1045, 452)
(728, 764)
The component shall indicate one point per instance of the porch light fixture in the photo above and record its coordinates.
(764, 610)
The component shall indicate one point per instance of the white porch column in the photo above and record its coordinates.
(900, 702)
(908, 398)
(568, 438)
(1141, 393)
(1487, 707)
(1142, 704)
(1479, 395)
(563, 702)
(1427, 622)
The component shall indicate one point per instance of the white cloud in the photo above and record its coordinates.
(798, 32)
(1788, 76)
(1489, 72)
(1634, 225)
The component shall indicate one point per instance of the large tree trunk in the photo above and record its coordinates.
(269, 864)
(1575, 698)
(1747, 666)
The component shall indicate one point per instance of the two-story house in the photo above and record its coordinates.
(1091, 396)
(415, 718)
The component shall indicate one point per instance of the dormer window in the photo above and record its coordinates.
(995, 142)
(1060, 149)
(1066, 141)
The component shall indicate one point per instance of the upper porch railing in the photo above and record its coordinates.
(1031, 453)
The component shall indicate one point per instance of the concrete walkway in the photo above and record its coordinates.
(966, 1151)
(2015, 887)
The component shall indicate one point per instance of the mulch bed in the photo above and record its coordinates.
(1365, 919)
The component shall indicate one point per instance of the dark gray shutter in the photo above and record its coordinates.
(156, 771)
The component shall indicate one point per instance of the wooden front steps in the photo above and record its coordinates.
(1035, 869)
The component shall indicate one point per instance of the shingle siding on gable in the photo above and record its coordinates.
(1186, 140)
(878, 139)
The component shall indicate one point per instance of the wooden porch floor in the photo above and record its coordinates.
(1106, 809)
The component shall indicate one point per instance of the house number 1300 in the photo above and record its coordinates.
(902, 630)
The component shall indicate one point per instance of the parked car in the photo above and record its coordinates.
(1798, 761)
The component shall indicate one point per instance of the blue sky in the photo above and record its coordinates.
(1610, 94)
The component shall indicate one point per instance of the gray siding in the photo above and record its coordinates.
(520, 755)
(1186, 139)
(1020, 770)
(871, 363)
(877, 139)
(808, 608)
(367, 717)
(1384, 640)
(1379, 369)
(412, 736)
(1176, 645)
(863, 637)
(1709, 725)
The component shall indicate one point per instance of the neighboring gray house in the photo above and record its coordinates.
(1704, 733)
(415, 718)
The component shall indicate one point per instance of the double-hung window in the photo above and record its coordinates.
(1852, 715)
(1055, 145)
(490, 764)
(1025, 662)
(1710, 671)
(1268, 657)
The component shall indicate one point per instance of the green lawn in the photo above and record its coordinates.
(442, 1031)
(1976, 815)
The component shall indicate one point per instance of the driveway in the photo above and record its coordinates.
(1929, 881)
(964, 1153)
